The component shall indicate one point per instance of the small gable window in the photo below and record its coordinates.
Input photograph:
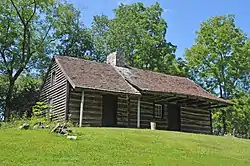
(50, 104)
(53, 78)
(158, 111)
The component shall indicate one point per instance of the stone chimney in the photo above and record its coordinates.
(116, 59)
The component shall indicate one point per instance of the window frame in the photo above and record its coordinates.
(158, 113)
(53, 78)
(51, 102)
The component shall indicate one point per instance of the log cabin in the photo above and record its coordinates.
(113, 94)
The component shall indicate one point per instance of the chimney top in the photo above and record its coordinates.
(116, 59)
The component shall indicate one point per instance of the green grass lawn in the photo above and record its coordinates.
(103, 146)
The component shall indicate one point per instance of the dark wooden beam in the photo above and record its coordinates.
(195, 103)
(150, 97)
(206, 105)
(215, 106)
(169, 99)
(186, 100)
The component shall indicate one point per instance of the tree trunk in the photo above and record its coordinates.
(223, 114)
(8, 101)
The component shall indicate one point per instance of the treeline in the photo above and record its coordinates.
(32, 31)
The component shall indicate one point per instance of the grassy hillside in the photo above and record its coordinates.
(102, 146)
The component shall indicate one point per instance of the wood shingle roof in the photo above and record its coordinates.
(93, 75)
(101, 76)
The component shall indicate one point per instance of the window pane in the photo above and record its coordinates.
(53, 78)
(158, 110)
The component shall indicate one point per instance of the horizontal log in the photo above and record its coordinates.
(122, 105)
(125, 123)
(74, 112)
(74, 118)
(92, 122)
(194, 109)
(198, 127)
(59, 110)
(58, 96)
(90, 96)
(196, 122)
(57, 92)
(119, 118)
(73, 107)
(59, 102)
(87, 101)
(61, 85)
(147, 112)
(93, 103)
(75, 96)
(122, 100)
(195, 117)
(122, 113)
(195, 114)
(198, 118)
(123, 110)
(59, 80)
(90, 118)
(92, 107)
(92, 115)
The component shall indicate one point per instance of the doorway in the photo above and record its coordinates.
(174, 119)
(109, 110)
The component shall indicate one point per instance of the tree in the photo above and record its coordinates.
(99, 31)
(72, 38)
(140, 32)
(220, 58)
(30, 30)
(19, 40)
(25, 94)
(239, 123)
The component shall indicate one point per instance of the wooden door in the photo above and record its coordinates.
(174, 117)
(109, 110)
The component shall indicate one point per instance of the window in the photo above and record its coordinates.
(50, 104)
(158, 111)
(53, 78)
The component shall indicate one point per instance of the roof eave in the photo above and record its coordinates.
(108, 90)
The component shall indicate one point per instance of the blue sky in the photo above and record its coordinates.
(183, 16)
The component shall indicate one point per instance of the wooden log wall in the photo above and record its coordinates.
(92, 111)
(195, 120)
(127, 113)
(132, 112)
(126, 110)
(162, 123)
(122, 111)
(56, 92)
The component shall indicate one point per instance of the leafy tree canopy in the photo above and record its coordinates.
(220, 58)
(140, 32)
